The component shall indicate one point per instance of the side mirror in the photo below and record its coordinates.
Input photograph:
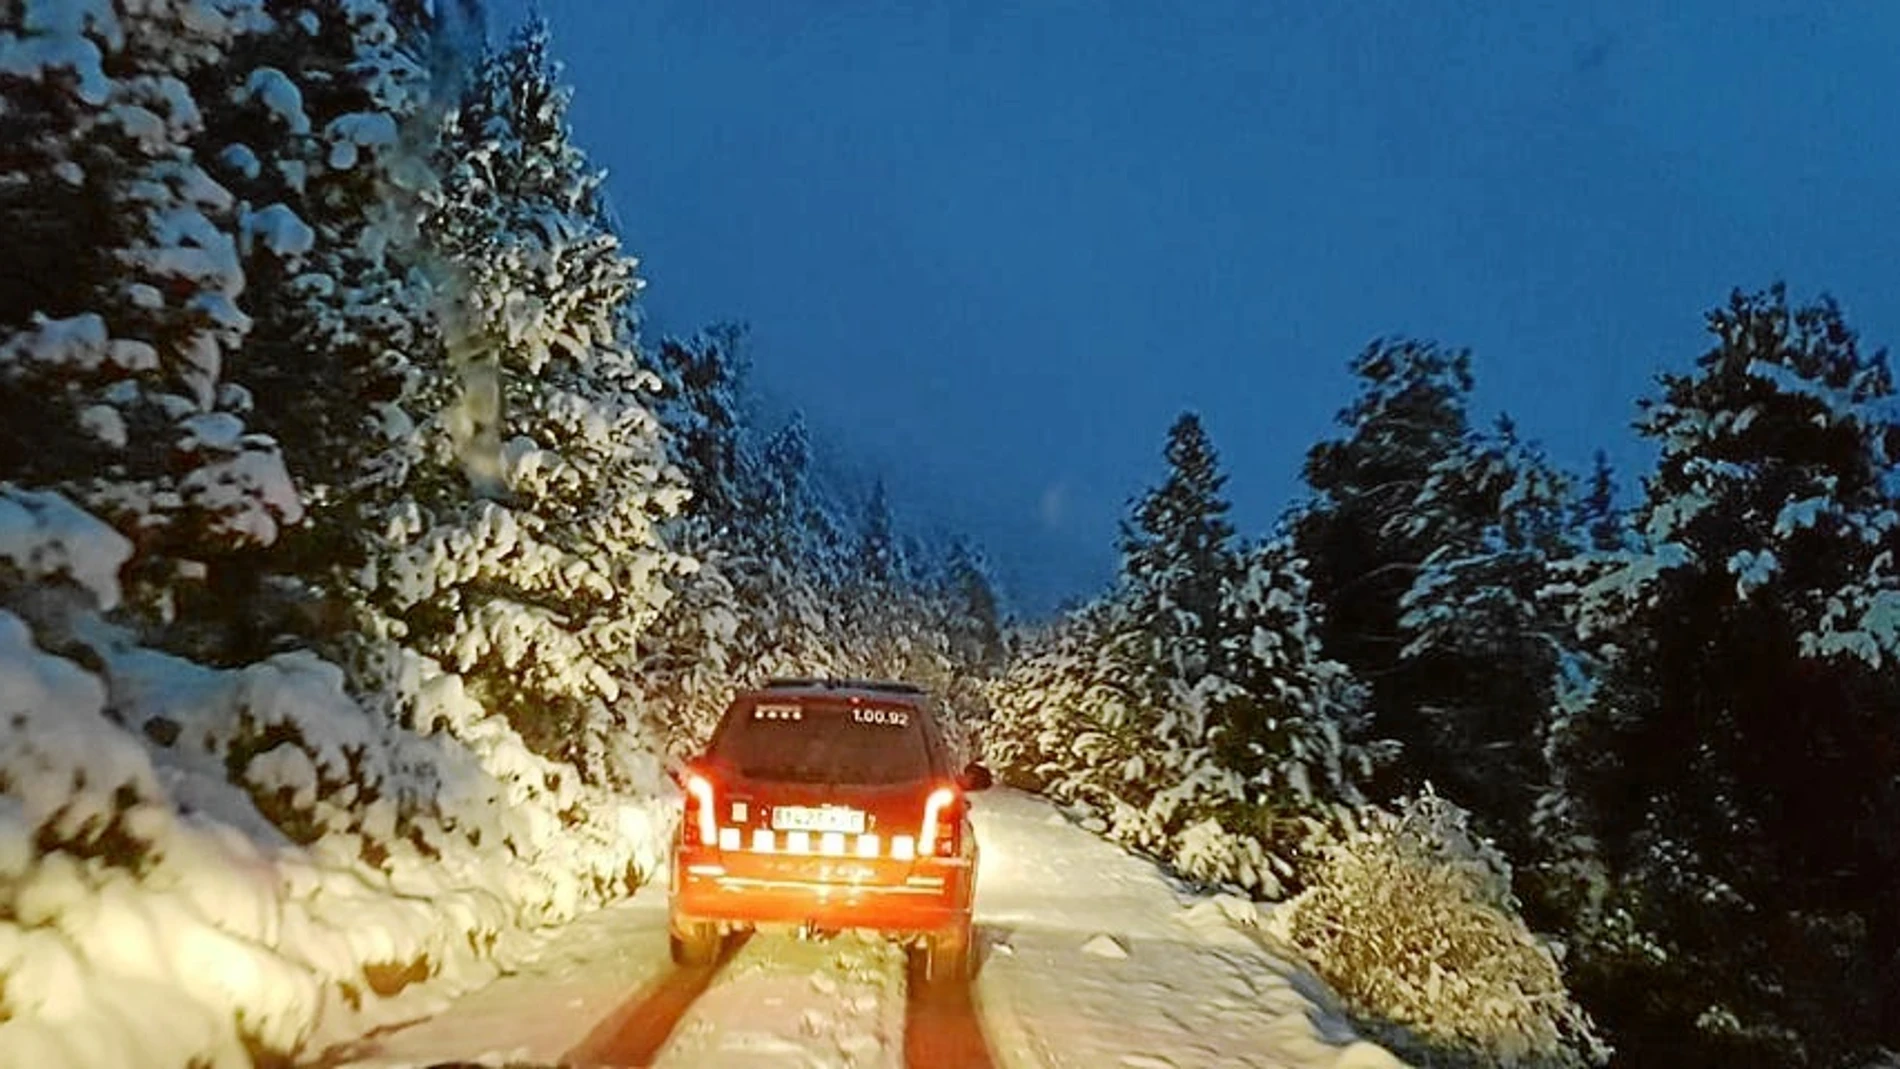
(976, 777)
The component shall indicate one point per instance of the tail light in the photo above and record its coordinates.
(942, 824)
(701, 826)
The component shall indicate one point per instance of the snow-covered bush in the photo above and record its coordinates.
(204, 866)
(251, 849)
(1410, 917)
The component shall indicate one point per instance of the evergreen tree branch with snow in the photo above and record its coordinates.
(121, 340)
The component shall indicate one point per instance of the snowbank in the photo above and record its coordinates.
(199, 865)
(1091, 955)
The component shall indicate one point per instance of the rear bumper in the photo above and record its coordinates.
(914, 898)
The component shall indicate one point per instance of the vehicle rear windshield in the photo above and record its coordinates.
(824, 742)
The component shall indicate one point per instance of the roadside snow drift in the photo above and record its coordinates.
(1094, 957)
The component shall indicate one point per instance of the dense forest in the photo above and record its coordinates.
(364, 569)
(1660, 731)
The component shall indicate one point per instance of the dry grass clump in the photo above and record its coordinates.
(1410, 917)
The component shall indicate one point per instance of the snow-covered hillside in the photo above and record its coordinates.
(201, 864)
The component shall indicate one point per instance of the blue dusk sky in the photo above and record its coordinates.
(991, 249)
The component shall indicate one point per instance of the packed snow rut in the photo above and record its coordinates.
(1087, 956)
(786, 1002)
(771, 1001)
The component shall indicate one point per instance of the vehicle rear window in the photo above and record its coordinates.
(824, 742)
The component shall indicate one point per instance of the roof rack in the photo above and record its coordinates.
(886, 686)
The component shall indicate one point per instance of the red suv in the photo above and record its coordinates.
(825, 805)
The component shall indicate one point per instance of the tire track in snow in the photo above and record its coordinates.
(942, 1026)
(634, 1034)
(834, 1003)
(775, 1000)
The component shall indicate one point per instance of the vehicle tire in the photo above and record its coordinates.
(694, 944)
(947, 957)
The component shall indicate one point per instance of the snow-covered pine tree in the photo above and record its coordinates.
(801, 521)
(965, 607)
(883, 617)
(706, 631)
(759, 603)
(1734, 761)
(1198, 718)
(1177, 557)
(1083, 715)
(974, 619)
(1484, 639)
(803, 549)
(1067, 710)
(880, 561)
(326, 136)
(1377, 516)
(120, 318)
(776, 497)
(1178, 553)
(1295, 724)
(323, 132)
(800, 554)
(1561, 859)
(700, 406)
(538, 586)
(1597, 521)
(1177, 549)
(821, 612)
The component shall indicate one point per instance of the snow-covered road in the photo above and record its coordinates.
(1089, 957)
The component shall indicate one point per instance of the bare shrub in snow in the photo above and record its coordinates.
(1410, 917)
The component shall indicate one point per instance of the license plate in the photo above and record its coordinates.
(818, 818)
